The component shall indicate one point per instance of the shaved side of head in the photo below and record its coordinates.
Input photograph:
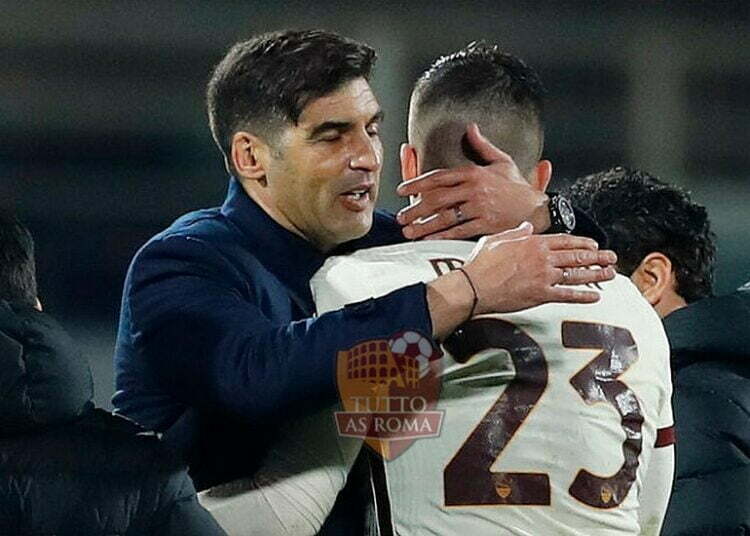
(483, 85)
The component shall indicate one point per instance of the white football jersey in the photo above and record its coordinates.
(550, 414)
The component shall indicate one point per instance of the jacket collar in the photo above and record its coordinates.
(291, 258)
(711, 329)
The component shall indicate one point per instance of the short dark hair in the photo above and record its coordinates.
(17, 267)
(483, 84)
(641, 214)
(266, 81)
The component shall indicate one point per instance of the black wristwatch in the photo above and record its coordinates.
(561, 216)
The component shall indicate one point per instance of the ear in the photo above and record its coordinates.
(250, 156)
(654, 277)
(541, 175)
(409, 162)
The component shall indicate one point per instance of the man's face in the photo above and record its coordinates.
(323, 177)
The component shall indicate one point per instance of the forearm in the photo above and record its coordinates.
(221, 353)
(656, 490)
(449, 301)
(195, 332)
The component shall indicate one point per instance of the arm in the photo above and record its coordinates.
(295, 489)
(202, 330)
(657, 486)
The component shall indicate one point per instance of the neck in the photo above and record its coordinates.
(669, 303)
(259, 194)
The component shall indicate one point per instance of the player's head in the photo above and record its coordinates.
(297, 122)
(17, 268)
(483, 85)
(662, 238)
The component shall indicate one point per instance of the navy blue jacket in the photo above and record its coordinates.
(217, 342)
(710, 341)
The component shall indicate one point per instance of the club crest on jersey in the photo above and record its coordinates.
(389, 389)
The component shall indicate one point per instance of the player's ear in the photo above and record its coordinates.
(409, 162)
(250, 156)
(654, 277)
(541, 175)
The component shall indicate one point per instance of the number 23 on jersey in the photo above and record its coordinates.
(468, 478)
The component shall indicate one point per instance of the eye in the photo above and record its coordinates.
(330, 136)
(373, 129)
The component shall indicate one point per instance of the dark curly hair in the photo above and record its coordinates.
(17, 266)
(641, 214)
(265, 82)
(483, 84)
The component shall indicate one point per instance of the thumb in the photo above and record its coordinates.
(525, 229)
(482, 146)
(519, 233)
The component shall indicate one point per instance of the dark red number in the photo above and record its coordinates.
(467, 477)
(597, 382)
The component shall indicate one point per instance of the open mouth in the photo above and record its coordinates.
(358, 198)
(359, 193)
(356, 195)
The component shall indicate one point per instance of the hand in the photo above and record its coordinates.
(515, 270)
(472, 200)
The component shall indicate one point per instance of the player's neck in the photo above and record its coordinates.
(669, 303)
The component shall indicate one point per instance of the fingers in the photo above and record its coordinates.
(566, 241)
(582, 257)
(466, 230)
(585, 276)
(434, 202)
(570, 295)
(437, 178)
(437, 224)
(482, 146)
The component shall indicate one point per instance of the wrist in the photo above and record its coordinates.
(475, 296)
(540, 217)
(450, 299)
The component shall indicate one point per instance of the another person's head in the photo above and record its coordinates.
(662, 238)
(295, 117)
(483, 85)
(17, 266)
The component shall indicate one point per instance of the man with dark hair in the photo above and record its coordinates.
(217, 341)
(125, 483)
(484, 86)
(458, 89)
(436, 483)
(665, 245)
(656, 228)
(439, 482)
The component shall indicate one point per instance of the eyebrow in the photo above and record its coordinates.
(343, 126)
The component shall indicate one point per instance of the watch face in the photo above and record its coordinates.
(567, 215)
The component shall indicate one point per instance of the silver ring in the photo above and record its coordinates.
(459, 214)
(565, 275)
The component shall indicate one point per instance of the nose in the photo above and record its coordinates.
(367, 153)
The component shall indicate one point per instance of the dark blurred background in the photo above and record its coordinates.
(103, 137)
